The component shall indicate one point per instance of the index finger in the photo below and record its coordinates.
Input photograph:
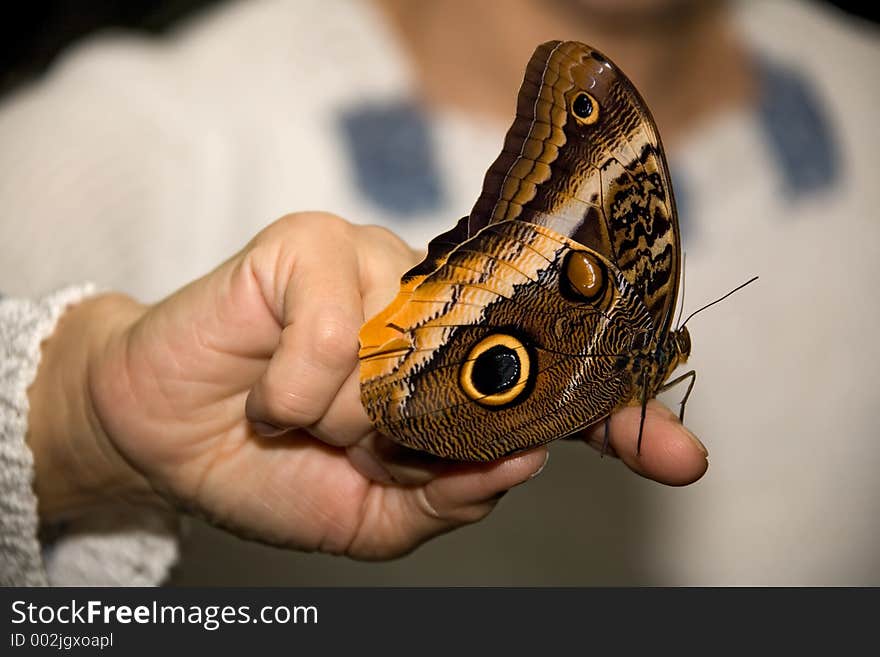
(318, 302)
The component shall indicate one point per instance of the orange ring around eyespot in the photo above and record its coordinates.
(467, 370)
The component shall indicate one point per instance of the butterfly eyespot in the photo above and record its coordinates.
(496, 372)
(585, 109)
(585, 277)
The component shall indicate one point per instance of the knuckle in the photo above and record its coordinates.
(307, 224)
(379, 233)
(290, 406)
(387, 238)
(334, 342)
(312, 221)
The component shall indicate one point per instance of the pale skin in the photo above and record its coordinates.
(236, 398)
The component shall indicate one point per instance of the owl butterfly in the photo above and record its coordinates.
(549, 306)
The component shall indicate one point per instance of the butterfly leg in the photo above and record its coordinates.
(644, 409)
(606, 439)
(692, 375)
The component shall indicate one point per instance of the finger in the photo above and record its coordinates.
(468, 492)
(385, 260)
(382, 259)
(598, 440)
(669, 454)
(317, 352)
(399, 518)
(381, 459)
(345, 422)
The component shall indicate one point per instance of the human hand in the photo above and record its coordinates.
(237, 398)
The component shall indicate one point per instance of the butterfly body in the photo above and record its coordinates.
(550, 305)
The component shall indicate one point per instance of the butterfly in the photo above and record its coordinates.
(551, 304)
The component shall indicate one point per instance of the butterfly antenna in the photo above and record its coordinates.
(683, 279)
(709, 305)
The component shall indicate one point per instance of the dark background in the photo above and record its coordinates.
(31, 38)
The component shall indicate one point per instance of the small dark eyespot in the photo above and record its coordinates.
(496, 370)
(585, 109)
(582, 106)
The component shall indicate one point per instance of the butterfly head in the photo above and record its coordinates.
(682, 344)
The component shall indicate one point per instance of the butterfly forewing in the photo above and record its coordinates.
(605, 183)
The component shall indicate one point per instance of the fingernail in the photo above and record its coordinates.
(543, 465)
(697, 442)
(267, 430)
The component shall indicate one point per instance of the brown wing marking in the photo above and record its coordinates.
(531, 144)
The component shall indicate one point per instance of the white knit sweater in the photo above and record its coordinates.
(123, 546)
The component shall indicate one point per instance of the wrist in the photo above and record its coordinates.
(77, 467)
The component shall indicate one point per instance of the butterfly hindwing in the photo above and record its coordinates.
(505, 288)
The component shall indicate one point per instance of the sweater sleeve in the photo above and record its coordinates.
(119, 546)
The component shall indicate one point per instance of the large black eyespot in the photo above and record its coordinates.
(585, 109)
(496, 371)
